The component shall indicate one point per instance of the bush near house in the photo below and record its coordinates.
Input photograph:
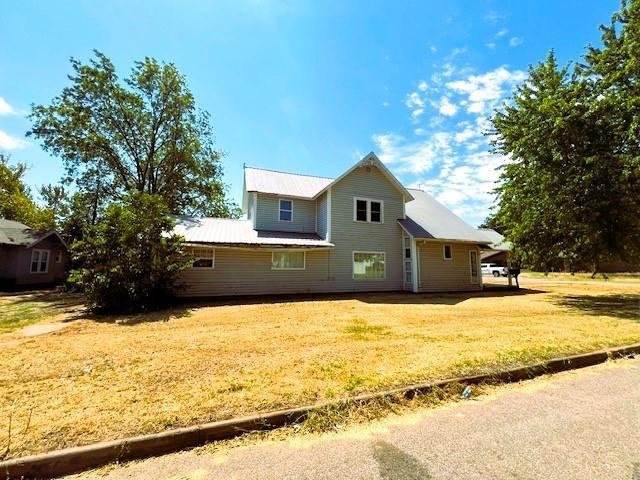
(129, 262)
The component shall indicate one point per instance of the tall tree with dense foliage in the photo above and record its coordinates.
(130, 259)
(16, 202)
(141, 134)
(571, 189)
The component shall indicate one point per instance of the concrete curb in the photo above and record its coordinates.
(70, 460)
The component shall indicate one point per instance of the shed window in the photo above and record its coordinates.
(203, 257)
(286, 210)
(368, 210)
(39, 261)
(59, 256)
(288, 260)
(448, 253)
(368, 265)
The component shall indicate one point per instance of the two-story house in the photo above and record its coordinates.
(362, 231)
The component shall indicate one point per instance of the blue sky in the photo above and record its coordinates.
(309, 87)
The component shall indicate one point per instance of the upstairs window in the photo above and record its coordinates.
(59, 256)
(40, 261)
(286, 211)
(447, 252)
(361, 210)
(202, 257)
(368, 210)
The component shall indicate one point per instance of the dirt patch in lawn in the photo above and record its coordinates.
(109, 377)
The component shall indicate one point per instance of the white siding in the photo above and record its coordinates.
(248, 272)
(322, 215)
(268, 209)
(349, 236)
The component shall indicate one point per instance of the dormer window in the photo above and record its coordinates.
(368, 210)
(286, 210)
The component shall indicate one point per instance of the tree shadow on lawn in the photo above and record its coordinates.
(625, 306)
(73, 304)
(382, 298)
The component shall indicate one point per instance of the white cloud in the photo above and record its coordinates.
(416, 104)
(447, 153)
(475, 107)
(494, 17)
(413, 157)
(6, 109)
(502, 32)
(447, 108)
(385, 104)
(422, 86)
(7, 142)
(490, 45)
(433, 49)
(488, 88)
(515, 41)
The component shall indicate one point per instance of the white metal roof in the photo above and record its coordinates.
(428, 218)
(280, 183)
(498, 243)
(241, 233)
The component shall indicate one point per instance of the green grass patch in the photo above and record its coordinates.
(361, 330)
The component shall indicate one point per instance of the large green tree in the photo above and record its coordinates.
(571, 187)
(16, 202)
(143, 133)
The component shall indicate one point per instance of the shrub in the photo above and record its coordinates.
(130, 259)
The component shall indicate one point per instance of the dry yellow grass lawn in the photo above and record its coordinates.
(105, 378)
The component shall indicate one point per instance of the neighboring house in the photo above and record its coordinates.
(29, 256)
(498, 250)
(363, 231)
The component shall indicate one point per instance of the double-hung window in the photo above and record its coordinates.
(368, 265)
(368, 210)
(203, 257)
(39, 261)
(288, 260)
(285, 213)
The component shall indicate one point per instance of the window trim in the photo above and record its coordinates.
(280, 209)
(213, 257)
(353, 260)
(39, 250)
(444, 252)
(478, 267)
(58, 256)
(368, 200)
(287, 250)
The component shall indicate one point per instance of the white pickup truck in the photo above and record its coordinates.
(493, 269)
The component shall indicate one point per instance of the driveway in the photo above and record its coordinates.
(583, 424)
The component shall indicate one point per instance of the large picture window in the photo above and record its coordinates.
(288, 260)
(368, 265)
(203, 257)
(39, 261)
(286, 211)
(368, 210)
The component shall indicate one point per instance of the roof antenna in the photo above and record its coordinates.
(244, 165)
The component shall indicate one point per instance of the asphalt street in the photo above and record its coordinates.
(583, 424)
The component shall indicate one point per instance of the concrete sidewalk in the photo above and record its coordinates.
(583, 424)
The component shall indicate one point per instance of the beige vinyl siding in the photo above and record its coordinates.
(439, 275)
(349, 236)
(268, 210)
(248, 272)
(322, 215)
